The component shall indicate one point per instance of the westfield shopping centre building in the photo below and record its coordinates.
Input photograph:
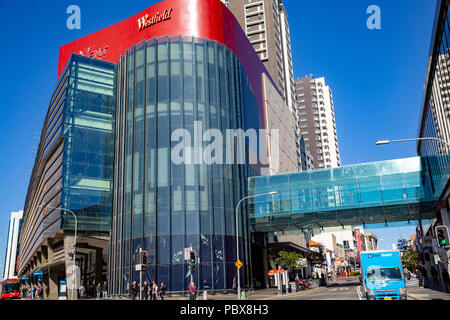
(106, 147)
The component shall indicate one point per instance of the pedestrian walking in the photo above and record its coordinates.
(434, 275)
(154, 290)
(420, 275)
(105, 290)
(446, 280)
(47, 291)
(407, 275)
(41, 292)
(33, 293)
(234, 286)
(145, 291)
(82, 291)
(98, 289)
(192, 291)
(162, 290)
(134, 290)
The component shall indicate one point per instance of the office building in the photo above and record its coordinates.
(371, 241)
(12, 245)
(316, 121)
(106, 154)
(434, 129)
(73, 170)
(107, 150)
(265, 22)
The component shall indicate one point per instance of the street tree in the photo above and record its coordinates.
(410, 259)
(289, 260)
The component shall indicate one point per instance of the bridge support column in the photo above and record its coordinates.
(265, 268)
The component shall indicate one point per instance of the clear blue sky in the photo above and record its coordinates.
(376, 76)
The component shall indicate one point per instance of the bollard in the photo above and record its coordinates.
(205, 295)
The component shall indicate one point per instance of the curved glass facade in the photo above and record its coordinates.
(166, 84)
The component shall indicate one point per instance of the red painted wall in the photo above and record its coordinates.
(208, 19)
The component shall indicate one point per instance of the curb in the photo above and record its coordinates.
(415, 297)
(300, 293)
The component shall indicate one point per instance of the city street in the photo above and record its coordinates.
(345, 289)
(188, 150)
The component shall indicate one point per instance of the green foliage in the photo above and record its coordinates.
(410, 259)
(289, 260)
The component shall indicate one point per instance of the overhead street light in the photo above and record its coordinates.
(237, 236)
(383, 142)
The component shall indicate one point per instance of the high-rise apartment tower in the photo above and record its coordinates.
(316, 122)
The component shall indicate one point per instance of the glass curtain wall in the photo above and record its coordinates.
(365, 193)
(435, 155)
(167, 84)
(88, 128)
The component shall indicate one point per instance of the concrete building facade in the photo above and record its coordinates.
(12, 245)
(316, 121)
(266, 26)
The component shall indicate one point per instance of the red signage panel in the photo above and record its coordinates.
(204, 19)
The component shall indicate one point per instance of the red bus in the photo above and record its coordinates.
(10, 288)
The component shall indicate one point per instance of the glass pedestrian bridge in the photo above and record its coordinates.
(377, 192)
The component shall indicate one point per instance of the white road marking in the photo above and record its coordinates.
(358, 290)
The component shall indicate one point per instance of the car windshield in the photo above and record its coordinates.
(377, 274)
(10, 287)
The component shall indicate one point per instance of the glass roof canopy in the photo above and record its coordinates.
(377, 192)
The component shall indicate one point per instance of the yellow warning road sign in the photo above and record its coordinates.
(238, 264)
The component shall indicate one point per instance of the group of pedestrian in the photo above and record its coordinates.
(151, 291)
(102, 290)
(35, 292)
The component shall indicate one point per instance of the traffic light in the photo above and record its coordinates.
(192, 257)
(442, 236)
(143, 259)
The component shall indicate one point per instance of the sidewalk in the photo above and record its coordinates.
(417, 293)
(263, 294)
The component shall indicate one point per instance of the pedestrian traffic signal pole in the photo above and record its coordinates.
(237, 237)
(140, 274)
(192, 262)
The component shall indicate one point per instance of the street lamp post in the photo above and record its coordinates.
(74, 243)
(383, 142)
(237, 237)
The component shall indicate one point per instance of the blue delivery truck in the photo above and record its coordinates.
(382, 275)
